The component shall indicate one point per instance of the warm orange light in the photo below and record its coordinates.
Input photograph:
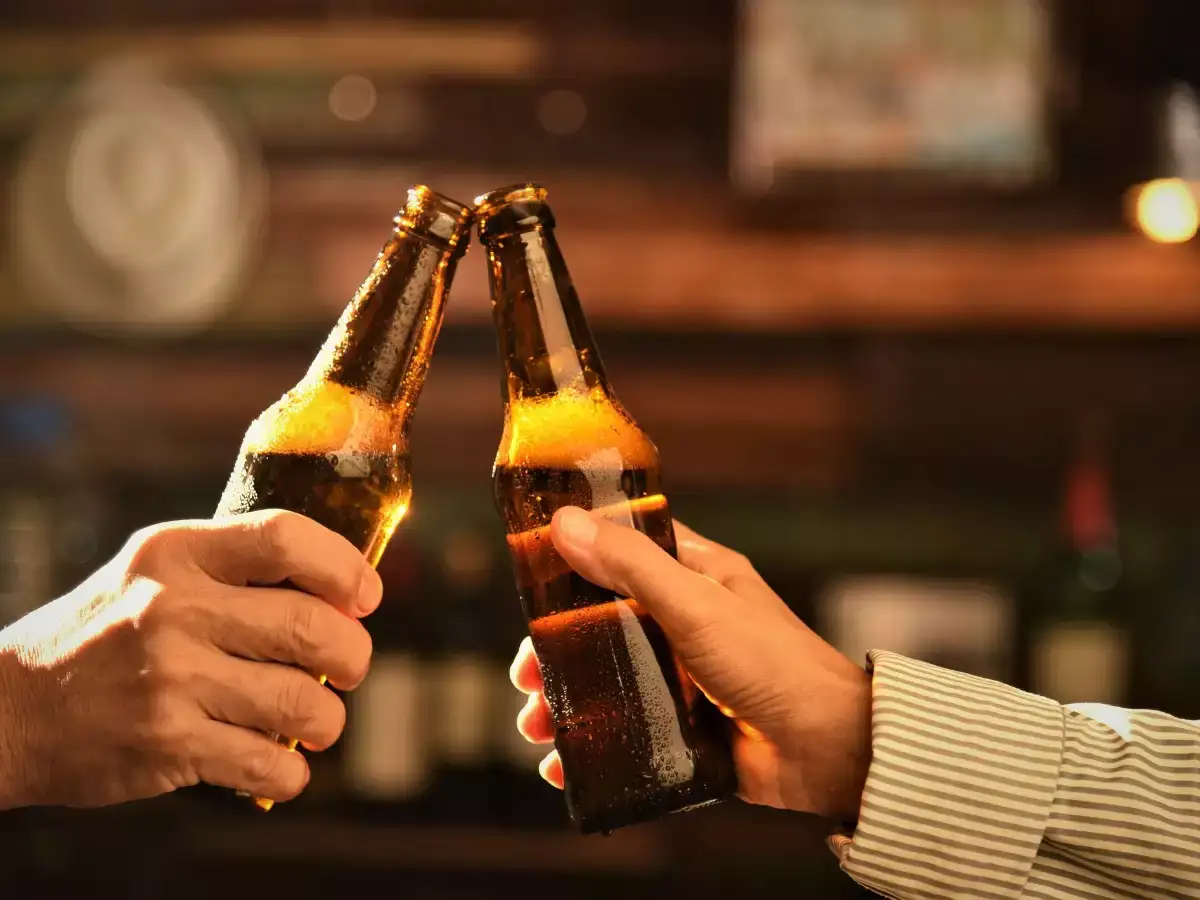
(1166, 211)
(352, 98)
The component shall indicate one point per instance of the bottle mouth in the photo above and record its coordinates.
(506, 196)
(436, 217)
(517, 207)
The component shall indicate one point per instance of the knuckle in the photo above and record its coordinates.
(274, 532)
(167, 615)
(730, 565)
(294, 700)
(704, 639)
(262, 764)
(310, 712)
(148, 549)
(732, 559)
(300, 629)
(166, 724)
(628, 540)
(623, 582)
(296, 703)
(166, 669)
(628, 576)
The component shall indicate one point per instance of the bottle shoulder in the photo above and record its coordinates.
(573, 429)
(323, 417)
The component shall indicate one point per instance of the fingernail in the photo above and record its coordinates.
(577, 526)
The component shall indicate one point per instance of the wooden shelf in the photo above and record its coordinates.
(674, 255)
(485, 48)
(412, 47)
(146, 412)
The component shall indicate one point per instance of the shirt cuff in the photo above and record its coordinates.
(960, 787)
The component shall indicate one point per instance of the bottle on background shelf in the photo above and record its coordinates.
(1078, 639)
(463, 676)
(388, 757)
(1170, 669)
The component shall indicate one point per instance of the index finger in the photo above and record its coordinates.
(275, 546)
(290, 627)
(718, 562)
(628, 562)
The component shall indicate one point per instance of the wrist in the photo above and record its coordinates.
(831, 744)
(854, 749)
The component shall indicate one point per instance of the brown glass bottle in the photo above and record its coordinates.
(335, 447)
(1078, 640)
(636, 737)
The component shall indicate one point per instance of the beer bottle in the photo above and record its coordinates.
(636, 737)
(1078, 640)
(335, 447)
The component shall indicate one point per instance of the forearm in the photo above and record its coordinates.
(979, 790)
(961, 783)
(1125, 821)
(14, 755)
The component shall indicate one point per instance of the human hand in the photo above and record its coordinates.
(166, 667)
(802, 709)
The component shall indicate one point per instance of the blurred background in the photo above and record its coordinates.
(905, 290)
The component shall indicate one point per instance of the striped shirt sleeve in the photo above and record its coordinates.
(979, 790)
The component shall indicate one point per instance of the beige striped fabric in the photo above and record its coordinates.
(978, 790)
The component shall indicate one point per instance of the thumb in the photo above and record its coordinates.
(626, 561)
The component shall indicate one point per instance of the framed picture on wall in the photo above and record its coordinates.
(928, 90)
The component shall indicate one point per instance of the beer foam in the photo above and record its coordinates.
(322, 417)
(567, 428)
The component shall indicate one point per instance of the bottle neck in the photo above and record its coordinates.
(546, 346)
(382, 345)
(1092, 532)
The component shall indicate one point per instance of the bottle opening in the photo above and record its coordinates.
(517, 207)
(436, 217)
